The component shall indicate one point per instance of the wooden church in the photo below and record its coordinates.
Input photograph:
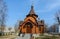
(31, 24)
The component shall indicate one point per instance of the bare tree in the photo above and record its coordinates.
(16, 26)
(58, 17)
(3, 9)
(10, 29)
(46, 30)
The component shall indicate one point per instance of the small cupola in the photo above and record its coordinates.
(32, 13)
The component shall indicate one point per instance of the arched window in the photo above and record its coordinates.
(28, 24)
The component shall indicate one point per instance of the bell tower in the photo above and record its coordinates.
(32, 13)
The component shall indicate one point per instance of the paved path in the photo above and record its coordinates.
(26, 36)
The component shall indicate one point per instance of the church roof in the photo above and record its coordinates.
(32, 12)
(41, 22)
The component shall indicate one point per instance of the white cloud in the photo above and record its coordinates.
(50, 6)
(55, 4)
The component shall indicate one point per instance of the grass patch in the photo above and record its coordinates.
(47, 37)
(13, 37)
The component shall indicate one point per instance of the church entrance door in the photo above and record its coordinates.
(28, 29)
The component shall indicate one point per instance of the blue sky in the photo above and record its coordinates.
(18, 9)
